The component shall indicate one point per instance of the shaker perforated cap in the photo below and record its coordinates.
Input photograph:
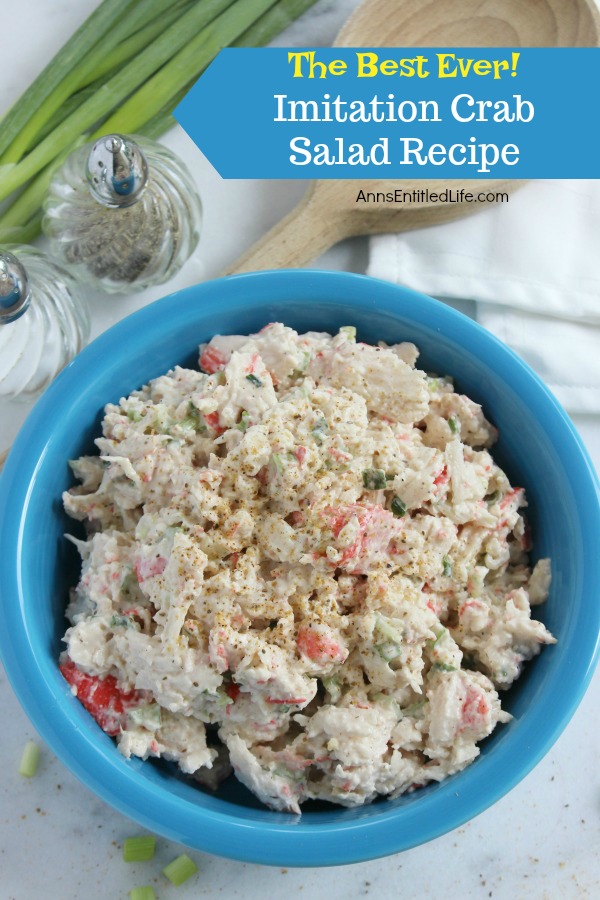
(15, 293)
(117, 171)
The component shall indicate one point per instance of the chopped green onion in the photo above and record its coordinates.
(277, 462)
(190, 423)
(133, 415)
(242, 425)
(222, 699)
(282, 772)
(299, 373)
(385, 628)
(254, 380)
(129, 582)
(447, 566)
(142, 893)
(439, 636)
(349, 331)
(388, 701)
(444, 667)
(453, 425)
(162, 420)
(148, 716)
(29, 759)
(320, 428)
(120, 621)
(139, 849)
(388, 651)
(398, 507)
(180, 869)
(333, 687)
(374, 479)
(194, 420)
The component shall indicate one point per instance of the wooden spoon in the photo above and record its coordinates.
(328, 212)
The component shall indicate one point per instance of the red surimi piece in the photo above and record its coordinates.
(102, 697)
(212, 360)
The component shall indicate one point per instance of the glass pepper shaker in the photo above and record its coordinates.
(43, 322)
(123, 213)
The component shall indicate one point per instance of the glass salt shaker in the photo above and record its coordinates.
(123, 213)
(43, 322)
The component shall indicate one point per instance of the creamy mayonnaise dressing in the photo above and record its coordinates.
(308, 546)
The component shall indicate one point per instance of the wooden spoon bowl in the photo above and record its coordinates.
(329, 211)
(471, 23)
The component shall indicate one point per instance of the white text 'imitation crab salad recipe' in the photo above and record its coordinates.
(304, 563)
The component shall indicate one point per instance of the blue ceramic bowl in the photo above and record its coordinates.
(538, 447)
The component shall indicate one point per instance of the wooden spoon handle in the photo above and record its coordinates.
(302, 235)
(3, 457)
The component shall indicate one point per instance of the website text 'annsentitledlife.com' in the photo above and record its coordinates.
(425, 195)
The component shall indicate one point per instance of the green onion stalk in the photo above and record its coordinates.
(124, 70)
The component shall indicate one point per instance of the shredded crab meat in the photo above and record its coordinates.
(308, 547)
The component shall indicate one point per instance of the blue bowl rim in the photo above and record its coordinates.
(273, 842)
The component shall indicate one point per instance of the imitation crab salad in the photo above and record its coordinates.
(303, 563)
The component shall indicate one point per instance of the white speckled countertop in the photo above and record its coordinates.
(59, 842)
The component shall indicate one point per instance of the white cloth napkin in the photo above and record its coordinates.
(527, 270)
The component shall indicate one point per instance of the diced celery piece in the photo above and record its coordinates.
(139, 849)
(180, 869)
(142, 893)
(29, 759)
